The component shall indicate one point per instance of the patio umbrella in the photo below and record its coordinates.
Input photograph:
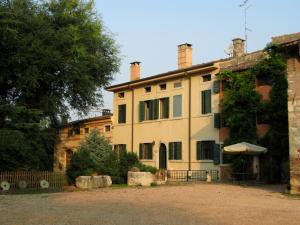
(245, 148)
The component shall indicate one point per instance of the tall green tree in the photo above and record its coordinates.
(55, 57)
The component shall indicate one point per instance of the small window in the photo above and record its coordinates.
(177, 84)
(205, 150)
(264, 80)
(122, 113)
(121, 94)
(175, 151)
(107, 128)
(86, 130)
(145, 151)
(206, 78)
(163, 86)
(148, 89)
(76, 131)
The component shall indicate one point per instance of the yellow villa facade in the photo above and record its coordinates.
(168, 119)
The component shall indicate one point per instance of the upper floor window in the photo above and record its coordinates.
(177, 84)
(177, 105)
(206, 78)
(121, 94)
(146, 151)
(122, 113)
(86, 130)
(175, 151)
(206, 101)
(107, 128)
(164, 108)
(148, 89)
(163, 86)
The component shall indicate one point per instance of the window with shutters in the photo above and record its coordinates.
(175, 151)
(206, 101)
(177, 106)
(149, 110)
(120, 148)
(146, 151)
(164, 108)
(205, 150)
(122, 113)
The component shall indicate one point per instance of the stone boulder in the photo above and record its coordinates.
(101, 181)
(140, 178)
(87, 182)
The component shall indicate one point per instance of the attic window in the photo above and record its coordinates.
(107, 128)
(148, 89)
(121, 94)
(177, 84)
(206, 78)
(86, 130)
(163, 86)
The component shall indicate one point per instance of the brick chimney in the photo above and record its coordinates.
(238, 47)
(184, 55)
(135, 71)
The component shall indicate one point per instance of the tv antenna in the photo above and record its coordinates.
(246, 5)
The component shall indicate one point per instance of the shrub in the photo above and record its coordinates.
(81, 165)
(146, 168)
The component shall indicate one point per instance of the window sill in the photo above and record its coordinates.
(175, 160)
(146, 160)
(205, 161)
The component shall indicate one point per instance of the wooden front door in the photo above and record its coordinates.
(162, 156)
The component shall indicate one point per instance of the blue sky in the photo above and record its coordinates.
(149, 31)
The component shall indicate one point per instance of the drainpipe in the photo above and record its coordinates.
(189, 121)
(132, 117)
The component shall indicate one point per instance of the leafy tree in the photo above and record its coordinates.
(55, 56)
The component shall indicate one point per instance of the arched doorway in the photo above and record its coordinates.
(162, 156)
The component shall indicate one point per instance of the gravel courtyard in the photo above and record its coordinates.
(192, 204)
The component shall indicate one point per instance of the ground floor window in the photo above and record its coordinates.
(119, 148)
(175, 151)
(205, 150)
(146, 151)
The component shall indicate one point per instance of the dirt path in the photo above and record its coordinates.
(193, 204)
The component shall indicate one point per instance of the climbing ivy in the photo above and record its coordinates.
(241, 104)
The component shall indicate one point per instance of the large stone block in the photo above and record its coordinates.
(87, 182)
(140, 178)
(84, 182)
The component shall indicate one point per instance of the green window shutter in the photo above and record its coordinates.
(216, 86)
(171, 151)
(141, 151)
(166, 108)
(217, 120)
(216, 153)
(202, 102)
(121, 113)
(151, 110)
(155, 108)
(149, 151)
(199, 150)
(177, 105)
(141, 111)
(208, 101)
(178, 149)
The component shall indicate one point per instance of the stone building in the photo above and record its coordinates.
(72, 133)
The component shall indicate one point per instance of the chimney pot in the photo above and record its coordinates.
(184, 55)
(135, 70)
(238, 47)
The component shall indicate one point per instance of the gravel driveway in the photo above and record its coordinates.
(192, 204)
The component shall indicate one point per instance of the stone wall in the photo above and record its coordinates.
(294, 122)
